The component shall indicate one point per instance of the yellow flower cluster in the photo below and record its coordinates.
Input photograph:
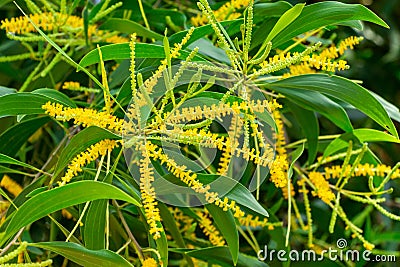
(116, 39)
(220, 109)
(324, 63)
(71, 85)
(10, 185)
(253, 221)
(91, 154)
(149, 262)
(225, 157)
(46, 21)
(209, 229)
(361, 170)
(278, 171)
(190, 178)
(322, 189)
(280, 165)
(325, 60)
(148, 193)
(225, 12)
(85, 116)
(285, 191)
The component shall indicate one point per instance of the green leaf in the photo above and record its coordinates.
(323, 14)
(95, 225)
(31, 103)
(238, 193)
(227, 226)
(55, 96)
(342, 89)
(221, 256)
(122, 51)
(50, 201)
(80, 142)
(128, 27)
(14, 137)
(6, 91)
(309, 125)
(84, 256)
(4, 159)
(285, 20)
(363, 135)
(315, 101)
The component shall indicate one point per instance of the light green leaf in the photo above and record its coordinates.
(84, 256)
(285, 20)
(323, 14)
(342, 89)
(52, 200)
(227, 226)
(363, 135)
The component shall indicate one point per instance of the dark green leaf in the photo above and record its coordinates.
(227, 226)
(61, 197)
(309, 125)
(128, 27)
(84, 256)
(14, 137)
(342, 89)
(315, 101)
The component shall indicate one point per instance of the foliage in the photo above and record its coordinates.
(201, 145)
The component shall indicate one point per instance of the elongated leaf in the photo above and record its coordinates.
(287, 18)
(122, 51)
(52, 200)
(6, 91)
(363, 135)
(342, 89)
(221, 256)
(227, 226)
(30, 103)
(81, 142)
(128, 27)
(322, 14)
(4, 159)
(84, 256)
(55, 96)
(309, 125)
(315, 101)
(238, 193)
(95, 223)
(14, 137)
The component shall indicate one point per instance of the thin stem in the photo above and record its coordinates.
(136, 245)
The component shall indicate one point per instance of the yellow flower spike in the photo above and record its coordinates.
(10, 185)
(84, 158)
(323, 190)
(209, 229)
(85, 117)
(46, 21)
